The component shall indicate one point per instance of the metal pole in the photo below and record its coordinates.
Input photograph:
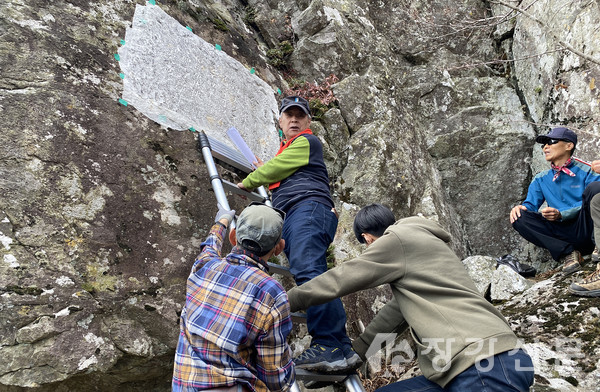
(215, 179)
(353, 384)
(295, 387)
(263, 192)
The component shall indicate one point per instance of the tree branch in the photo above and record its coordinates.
(543, 25)
(499, 61)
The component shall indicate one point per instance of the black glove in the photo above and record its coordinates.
(224, 214)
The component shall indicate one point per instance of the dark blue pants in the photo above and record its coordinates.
(308, 230)
(510, 371)
(561, 238)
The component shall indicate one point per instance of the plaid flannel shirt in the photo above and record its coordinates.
(234, 325)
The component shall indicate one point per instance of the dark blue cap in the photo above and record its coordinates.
(558, 133)
(294, 100)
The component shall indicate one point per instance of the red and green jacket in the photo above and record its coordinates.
(296, 174)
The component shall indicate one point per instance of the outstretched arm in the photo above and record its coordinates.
(373, 268)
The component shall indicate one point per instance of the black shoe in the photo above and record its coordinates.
(524, 270)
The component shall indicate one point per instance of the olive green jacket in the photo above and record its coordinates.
(451, 323)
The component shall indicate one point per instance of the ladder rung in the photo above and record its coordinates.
(233, 188)
(298, 317)
(228, 155)
(279, 269)
(305, 375)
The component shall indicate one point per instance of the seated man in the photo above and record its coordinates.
(463, 342)
(565, 227)
(236, 318)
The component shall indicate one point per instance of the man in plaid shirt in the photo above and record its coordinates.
(236, 319)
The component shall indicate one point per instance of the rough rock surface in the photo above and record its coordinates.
(102, 209)
(481, 270)
(560, 332)
(506, 282)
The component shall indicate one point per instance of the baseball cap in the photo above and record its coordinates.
(559, 133)
(258, 228)
(294, 100)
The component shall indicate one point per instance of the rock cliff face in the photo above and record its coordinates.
(102, 209)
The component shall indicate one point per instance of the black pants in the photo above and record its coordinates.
(562, 238)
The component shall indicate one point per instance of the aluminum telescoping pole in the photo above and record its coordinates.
(353, 384)
(263, 192)
(215, 179)
(295, 387)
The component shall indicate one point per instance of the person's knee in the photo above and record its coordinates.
(591, 190)
(521, 222)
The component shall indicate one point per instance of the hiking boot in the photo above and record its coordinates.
(571, 262)
(352, 358)
(318, 358)
(589, 286)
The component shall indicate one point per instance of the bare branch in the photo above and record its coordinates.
(543, 25)
(539, 125)
(498, 61)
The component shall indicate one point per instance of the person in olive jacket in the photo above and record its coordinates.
(463, 342)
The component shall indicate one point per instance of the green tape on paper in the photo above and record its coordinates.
(279, 91)
(162, 118)
(122, 75)
(122, 102)
(218, 47)
(192, 129)
(153, 2)
(252, 70)
(117, 57)
(189, 28)
(122, 42)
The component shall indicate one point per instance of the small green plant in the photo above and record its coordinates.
(250, 16)
(294, 82)
(88, 287)
(279, 56)
(330, 254)
(274, 260)
(220, 24)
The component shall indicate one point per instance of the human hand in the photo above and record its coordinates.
(596, 166)
(515, 213)
(551, 214)
(224, 214)
(259, 162)
(241, 186)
